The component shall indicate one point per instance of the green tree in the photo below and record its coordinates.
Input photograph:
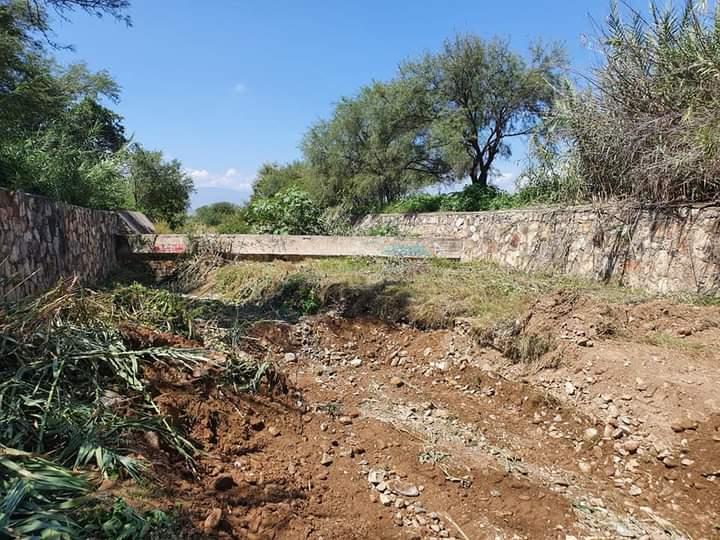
(159, 188)
(482, 94)
(273, 178)
(376, 146)
(214, 214)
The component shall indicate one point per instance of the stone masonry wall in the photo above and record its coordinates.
(662, 250)
(43, 240)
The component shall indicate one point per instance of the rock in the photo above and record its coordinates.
(585, 467)
(585, 342)
(396, 381)
(386, 499)
(404, 489)
(152, 439)
(345, 420)
(685, 332)
(290, 357)
(591, 434)
(635, 491)
(683, 424)
(258, 424)
(376, 476)
(223, 483)
(212, 520)
(275, 432)
(569, 388)
(631, 446)
(670, 462)
(326, 459)
(356, 362)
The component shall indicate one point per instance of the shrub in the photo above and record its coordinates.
(649, 126)
(291, 211)
(474, 198)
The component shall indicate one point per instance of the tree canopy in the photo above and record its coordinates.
(59, 136)
(444, 117)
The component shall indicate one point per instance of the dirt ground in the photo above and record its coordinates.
(389, 431)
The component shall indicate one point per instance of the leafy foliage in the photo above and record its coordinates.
(473, 198)
(444, 117)
(58, 135)
(482, 94)
(160, 189)
(74, 394)
(288, 212)
(648, 127)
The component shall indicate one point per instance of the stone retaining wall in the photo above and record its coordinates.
(662, 250)
(43, 240)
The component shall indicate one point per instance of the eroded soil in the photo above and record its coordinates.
(389, 431)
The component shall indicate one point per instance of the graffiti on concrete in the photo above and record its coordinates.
(407, 250)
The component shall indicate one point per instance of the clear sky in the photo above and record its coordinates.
(226, 85)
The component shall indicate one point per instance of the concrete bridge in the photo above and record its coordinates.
(266, 245)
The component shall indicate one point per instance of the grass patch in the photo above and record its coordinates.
(666, 340)
(431, 293)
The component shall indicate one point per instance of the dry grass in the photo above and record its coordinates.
(429, 293)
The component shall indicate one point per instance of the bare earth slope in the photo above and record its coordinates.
(610, 429)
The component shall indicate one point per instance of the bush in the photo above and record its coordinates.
(291, 211)
(474, 198)
(649, 127)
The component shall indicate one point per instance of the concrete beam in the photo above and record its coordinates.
(266, 245)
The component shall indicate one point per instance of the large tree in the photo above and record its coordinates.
(159, 188)
(376, 146)
(273, 178)
(482, 95)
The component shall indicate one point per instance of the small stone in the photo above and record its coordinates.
(273, 431)
(152, 439)
(591, 434)
(635, 491)
(631, 446)
(345, 420)
(585, 467)
(290, 357)
(356, 362)
(585, 342)
(386, 499)
(683, 424)
(403, 489)
(257, 424)
(569, 388)
(212, 520)
(376, 476)
(326, 459)
(396, 381)
(670, 462)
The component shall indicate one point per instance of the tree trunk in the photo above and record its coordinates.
(479, 175)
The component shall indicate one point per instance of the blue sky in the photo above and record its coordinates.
(226, 85)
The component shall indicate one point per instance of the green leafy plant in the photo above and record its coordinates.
(291, 211)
